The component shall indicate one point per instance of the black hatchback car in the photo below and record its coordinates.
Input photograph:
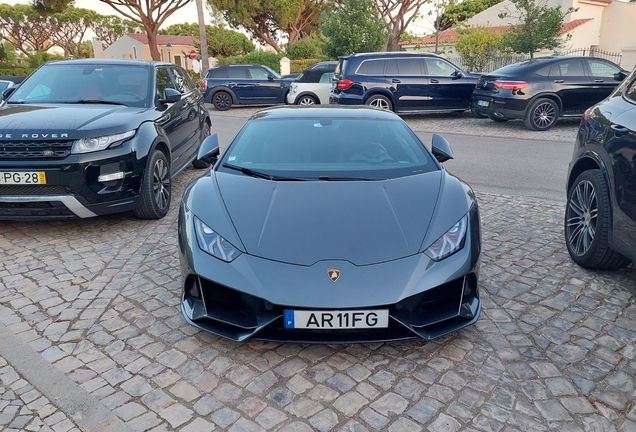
(402, 82)
(83, 138)
(600, 217)
(542, 90)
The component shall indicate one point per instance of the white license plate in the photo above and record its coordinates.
(22, 178)
(356, 319)
(483, 103)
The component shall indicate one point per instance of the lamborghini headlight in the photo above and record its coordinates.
(450, 242)
(213, 244)
(88, 145)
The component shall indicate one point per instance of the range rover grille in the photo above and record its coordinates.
(35, 149)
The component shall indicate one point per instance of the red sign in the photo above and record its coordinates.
(193, 54)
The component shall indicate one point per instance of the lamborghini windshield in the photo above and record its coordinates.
(332, 148)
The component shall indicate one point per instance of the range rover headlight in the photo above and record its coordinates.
(88, 145)
(213, 244)
(452, 241)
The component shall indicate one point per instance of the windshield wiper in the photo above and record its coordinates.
(254, 173)
(94, 101)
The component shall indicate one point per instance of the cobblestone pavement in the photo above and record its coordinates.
(459, 123)
(554, 349)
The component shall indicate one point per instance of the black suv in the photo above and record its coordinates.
(250, 84)
(541, 90)
(83, 138)
(600, 217)
(402, 82)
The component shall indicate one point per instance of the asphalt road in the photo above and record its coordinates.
(510, 166)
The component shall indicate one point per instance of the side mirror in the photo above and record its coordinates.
(271, 77)
(441, 149)
(8, 92)
(170, 96)
(458, 74)
(209, 150)
(620, 76)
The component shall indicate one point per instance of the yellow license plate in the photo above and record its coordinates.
(22, 178)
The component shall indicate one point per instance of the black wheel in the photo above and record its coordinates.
(541, 115)
(587, 220)
(498, 119)
(306, 100)
(199, 164)
(379, 101)
(222, 101)
(478, 114)
(156, 188)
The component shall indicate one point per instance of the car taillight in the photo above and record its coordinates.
(344, 84)
(478, 83)
(585, 115)
(204, 85)
(510, 85)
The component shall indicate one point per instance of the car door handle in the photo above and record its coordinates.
(397, 81)
(619, 129)
(231, 84)
(434, 81)
(599, 80)
(558, 81)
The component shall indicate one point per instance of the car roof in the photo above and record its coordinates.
(391, 54)
(119, 62)
(303, 112)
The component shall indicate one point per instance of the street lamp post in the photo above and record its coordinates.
(169, 48)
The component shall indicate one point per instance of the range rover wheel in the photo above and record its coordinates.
(587, 220)
(306, 100)
(222, 101)
(379, 101)
(541, 115)
(199, 164)
(156, 188)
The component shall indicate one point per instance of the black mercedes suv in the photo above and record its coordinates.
(600, 217)
(83, 138)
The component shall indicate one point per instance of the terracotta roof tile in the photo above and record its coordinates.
(569, 26)
(163, 39)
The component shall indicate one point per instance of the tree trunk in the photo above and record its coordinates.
(203, 39)
(394, 40)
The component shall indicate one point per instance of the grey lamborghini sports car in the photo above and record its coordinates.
(329, 225)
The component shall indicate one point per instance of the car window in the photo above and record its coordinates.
(407, 66)
(602, 69)
(164, 81)
(340, 147)
(218, 73)
(326, 77)
(570, 68)
(439, 67)
(630, 93)
(181, 80)
(372, 67)
(258, 73)
(237, 72)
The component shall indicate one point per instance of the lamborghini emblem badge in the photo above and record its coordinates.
(334, 274)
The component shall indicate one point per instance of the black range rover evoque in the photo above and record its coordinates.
(83, 138)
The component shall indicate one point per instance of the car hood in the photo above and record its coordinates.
(363, 222)
(68, 121)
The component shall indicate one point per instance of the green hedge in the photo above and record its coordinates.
(297, 66)
(266, 58)
(15, 71)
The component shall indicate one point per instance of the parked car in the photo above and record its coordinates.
(83, 138)
(322, 64)
(312, 86)
(402, 82)
(600, 217)
(329, 225)
(250, 84)
(542, 90)
(4, 84)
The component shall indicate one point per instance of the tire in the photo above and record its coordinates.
(156, 188)
(222, 101)
(199, 164)
(379, 101)
(306, 100)
(541, 115)
(498, 119)
(478, 114)
(586, 224)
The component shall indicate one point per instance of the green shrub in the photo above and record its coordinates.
(266, 58)
(196, 78)
(308, 48)
(297, 66)
(15, 71)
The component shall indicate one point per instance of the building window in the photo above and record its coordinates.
(134, 52)
(177, 60)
